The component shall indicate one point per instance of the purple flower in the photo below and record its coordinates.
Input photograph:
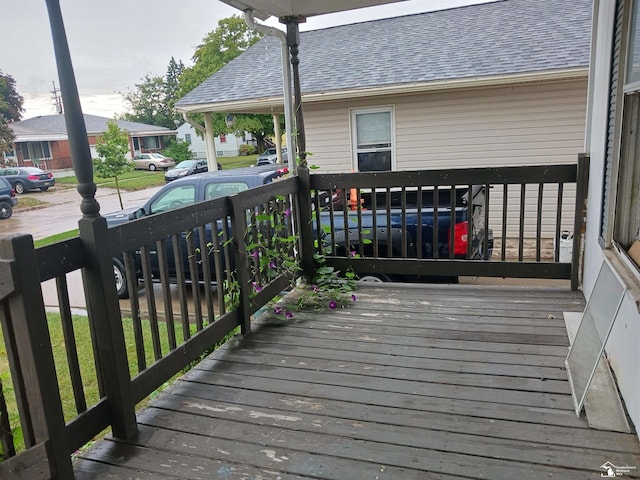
(352, 253)
(332, 305)
(288, 315)
(255, 254)
(287, 212)
(314, 288)
(353, 298)
(272, 265)
(277, 310)
(256, 287)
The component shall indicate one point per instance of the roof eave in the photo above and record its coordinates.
(274, 104)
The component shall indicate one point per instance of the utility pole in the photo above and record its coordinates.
(56, 98)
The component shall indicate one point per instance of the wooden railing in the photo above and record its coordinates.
(215, 242)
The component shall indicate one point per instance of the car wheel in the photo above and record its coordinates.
(44, 189)
(6, 210)
(152, 167)
(120, 276)
(19, 187)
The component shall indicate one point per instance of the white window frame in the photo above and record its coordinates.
(354, 134)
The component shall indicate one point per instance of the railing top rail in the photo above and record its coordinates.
(462, 176)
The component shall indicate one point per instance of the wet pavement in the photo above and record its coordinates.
(62, 211)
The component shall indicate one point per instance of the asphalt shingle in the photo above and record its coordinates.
(56, 125)
(500, 38)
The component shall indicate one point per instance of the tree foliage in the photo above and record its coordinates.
(231, 38)
(178, 149)
(152, 100)
(113, 147)
(11, 109)
(219, 47)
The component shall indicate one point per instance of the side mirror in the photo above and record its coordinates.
(139, 213)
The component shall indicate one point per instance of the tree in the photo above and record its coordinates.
(231, 38)
(113, 147)
(219, 47)
(178, 149)
(11, 109)
(148, 103)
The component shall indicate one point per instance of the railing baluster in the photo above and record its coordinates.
(70, 344)
(558, 221)
(523, 192)
(435, 244)
(452, 221)
(403, 200)
(374, 221)
(389, 232)
(418, 239)
(180, 279)
(505, 206)
(163, 266)
(539, 222)
(136, 317)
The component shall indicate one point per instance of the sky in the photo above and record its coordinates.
(115, 43)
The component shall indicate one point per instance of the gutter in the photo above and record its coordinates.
(286, 84)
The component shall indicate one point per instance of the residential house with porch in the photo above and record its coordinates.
(43, 141)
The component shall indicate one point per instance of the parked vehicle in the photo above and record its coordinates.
(180, 193)
(185, 168)
(152, 162)
(395, 223)
(23, 179)
(269, 157)
(8, 199)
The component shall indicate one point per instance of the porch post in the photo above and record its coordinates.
(76, 129)
(209, 139)
(293, 40)
(102, 302)
(278, 136)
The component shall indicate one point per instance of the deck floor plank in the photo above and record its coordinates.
(415, 381)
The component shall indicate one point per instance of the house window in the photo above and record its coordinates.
(34, 150)
(187, 138)
(223, 138)
(372, 132)
(625, 214)
(150, 143)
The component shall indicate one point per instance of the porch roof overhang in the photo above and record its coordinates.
(274, 104)
(264, 9)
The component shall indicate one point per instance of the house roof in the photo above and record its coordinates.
(471, 43)
(54, 127)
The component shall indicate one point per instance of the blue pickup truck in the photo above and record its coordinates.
(397, 223)
(180, 193)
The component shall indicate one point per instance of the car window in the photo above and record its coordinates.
(217, 190)
(179, 196)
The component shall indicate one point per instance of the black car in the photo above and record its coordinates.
(23, 179)
(8, 199)
(187, 167)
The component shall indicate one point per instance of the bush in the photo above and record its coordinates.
(246, 149)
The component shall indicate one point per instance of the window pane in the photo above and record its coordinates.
(187, 138)
(373, 129)
(45, 150)
(175, 198)
(633, 55)
(217, 190)
(379, 161)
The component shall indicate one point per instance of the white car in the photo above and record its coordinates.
(269, 157)
(152, 161)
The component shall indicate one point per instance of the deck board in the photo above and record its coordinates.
(414, 381)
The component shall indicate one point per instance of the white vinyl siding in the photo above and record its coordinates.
(511, 125)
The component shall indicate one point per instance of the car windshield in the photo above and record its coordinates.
(186, 164)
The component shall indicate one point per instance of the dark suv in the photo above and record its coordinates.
(8, 199)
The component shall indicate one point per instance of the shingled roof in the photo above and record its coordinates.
(507, 37)
(56, 126)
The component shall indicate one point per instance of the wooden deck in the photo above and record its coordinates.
(410, 382)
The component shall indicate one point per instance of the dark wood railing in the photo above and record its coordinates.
(217, 237)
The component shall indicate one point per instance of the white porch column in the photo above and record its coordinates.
(209, 142)
(278, 135)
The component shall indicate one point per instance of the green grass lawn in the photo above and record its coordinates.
(28, 202)
(85, 355)
(141, 179)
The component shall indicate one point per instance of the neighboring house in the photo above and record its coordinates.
(613, 208)
(43, 140)
(501, 83)
(227, 145)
